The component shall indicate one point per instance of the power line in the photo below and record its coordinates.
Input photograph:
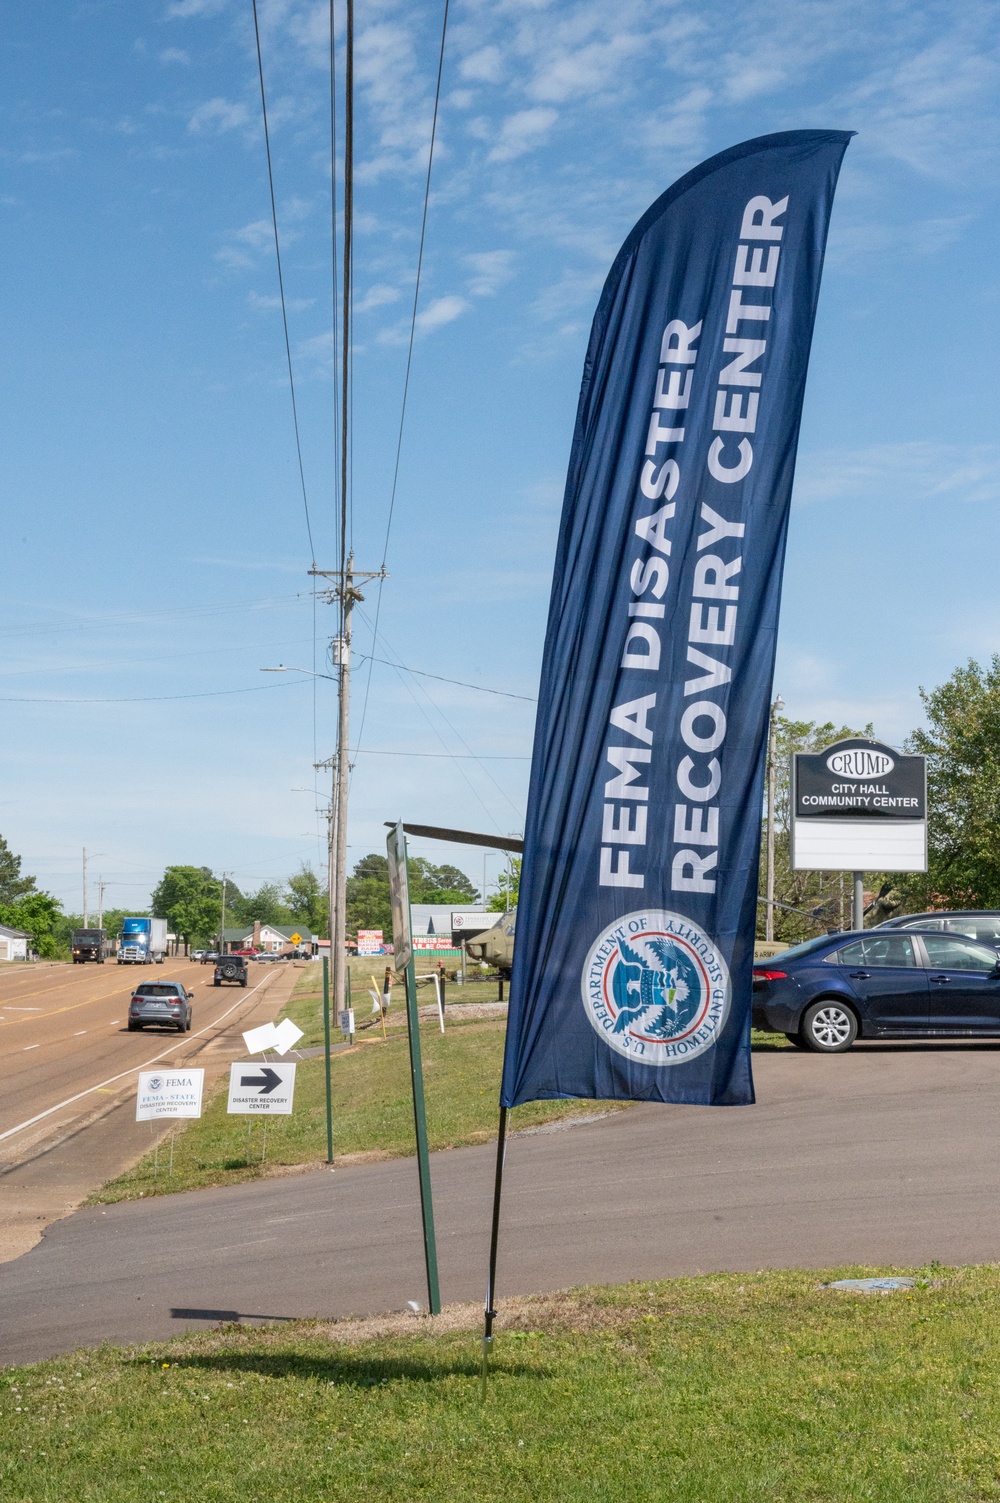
(409, 352)
(136, 699)
(281, 283)
(503, 693)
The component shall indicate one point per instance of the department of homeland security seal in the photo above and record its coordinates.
(656, 988)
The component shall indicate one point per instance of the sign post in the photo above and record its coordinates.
(403, 955)
(326, 1040)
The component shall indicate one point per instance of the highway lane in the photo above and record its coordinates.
(70, 1046)
(69, 1067)
(73, 1032)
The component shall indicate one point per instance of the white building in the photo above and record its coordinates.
(13, 943)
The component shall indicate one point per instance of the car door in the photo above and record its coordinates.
(884, 973)
(963, 984)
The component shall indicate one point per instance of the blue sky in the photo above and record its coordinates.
(154, 540)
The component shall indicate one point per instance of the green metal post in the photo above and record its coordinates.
(326, 1037)
(420, 1123)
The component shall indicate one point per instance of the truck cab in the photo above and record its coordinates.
(89, 944)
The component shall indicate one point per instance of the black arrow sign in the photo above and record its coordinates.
(267, 1080)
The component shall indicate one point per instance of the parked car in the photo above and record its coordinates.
(209, 957)
(230, 968)
(880, 983)
(197, 955)
(167, 1003)
(983, 924)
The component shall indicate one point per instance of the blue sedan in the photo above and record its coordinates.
(879, 984)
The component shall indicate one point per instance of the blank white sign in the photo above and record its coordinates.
(859, 845)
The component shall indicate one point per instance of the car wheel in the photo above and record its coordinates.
(187, 1028)
(216, 983)
(829, 1027)
(797, 1040)
(134, 1027)
(182, 1026)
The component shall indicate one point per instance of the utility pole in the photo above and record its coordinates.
(222, 928)
(344, 592)
(85, 887)
(101, 885)
(772, 779)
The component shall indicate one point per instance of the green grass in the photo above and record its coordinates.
(372, 1113)
(372, 1104)
(727, 1389)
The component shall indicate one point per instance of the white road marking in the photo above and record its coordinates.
(80, 1034)
(135, 1069)
(31, 1046)
(21, 1009)
(115, 1023)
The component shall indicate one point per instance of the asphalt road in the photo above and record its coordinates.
(69, 1063)
(883, 1156)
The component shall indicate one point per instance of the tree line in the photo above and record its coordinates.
(961, 741)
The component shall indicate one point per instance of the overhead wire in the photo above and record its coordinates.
(461, 683)
(409, 353)
(454, 731)
(281, 283)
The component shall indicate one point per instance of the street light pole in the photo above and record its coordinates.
(776, 709)
(85, 887)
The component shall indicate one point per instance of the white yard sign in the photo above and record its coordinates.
(169, 1093)
(261, 1090)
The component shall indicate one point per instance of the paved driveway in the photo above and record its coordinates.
(886, 1155)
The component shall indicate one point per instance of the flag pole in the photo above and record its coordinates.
(489, 1315)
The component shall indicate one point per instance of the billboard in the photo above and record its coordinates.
(370, 942)
(859, 805)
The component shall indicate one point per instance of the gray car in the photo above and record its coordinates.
(166, 1003)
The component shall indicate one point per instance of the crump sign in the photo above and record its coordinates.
(859, 806)
(639, 887)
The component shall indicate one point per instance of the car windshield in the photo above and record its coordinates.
(158, 989)
(806, 948)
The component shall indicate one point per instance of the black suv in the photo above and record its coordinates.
(230, 968)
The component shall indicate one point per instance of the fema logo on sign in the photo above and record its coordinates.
(155, 1083)
(656, 988)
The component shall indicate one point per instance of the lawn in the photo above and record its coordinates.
(372, 1113)
(372, 1103)
(759, 1388)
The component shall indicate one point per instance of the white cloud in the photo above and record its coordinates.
(915, 471)
(484, 66)
(522, 132)
(443, 310)
(219, 114)
(491, 269)
(174, 55)
(184, 9)
(377, 297)
(257, 233)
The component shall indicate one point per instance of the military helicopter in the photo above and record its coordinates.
(495, 946)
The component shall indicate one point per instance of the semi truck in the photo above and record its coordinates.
(89, 944)
(142, 941)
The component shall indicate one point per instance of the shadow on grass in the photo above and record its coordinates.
(346, 1369)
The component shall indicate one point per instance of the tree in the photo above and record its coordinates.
(307, 900)
(368, 905)
(12, 885)
(962, 745)
(265, 906)
(37, 913)
(190, 899)
(806, 903)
